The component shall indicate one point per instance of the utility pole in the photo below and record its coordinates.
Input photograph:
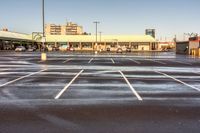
(100, 33)
(43, 18)
(96, 23)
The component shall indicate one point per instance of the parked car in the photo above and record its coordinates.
(128, 49)
(31, 49)
(72, 49)
(119, 50)
(20, 49)
(108, 49)
(63, 48)
(55, 48)
(7, 47)
(50, 48)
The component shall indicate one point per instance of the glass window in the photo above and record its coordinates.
(87, 45)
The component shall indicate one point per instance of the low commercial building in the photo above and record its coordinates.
(10, 40)
(112, 42)
(79, 42)
(185, 47)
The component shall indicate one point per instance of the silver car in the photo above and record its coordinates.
(119, 50)
(20, 49)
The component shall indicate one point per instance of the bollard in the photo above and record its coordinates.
(192, 52)
(197, 52)
(43, 57)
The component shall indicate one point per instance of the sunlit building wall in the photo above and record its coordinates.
(68, 29)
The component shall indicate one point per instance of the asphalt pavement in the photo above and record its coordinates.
(104, 93)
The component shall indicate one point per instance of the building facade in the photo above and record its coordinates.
(52, 29)
(111, 42)
(166, 45)
(10, 40)
(72, 29)
(68, 29)
(185, 47)
(79, 42)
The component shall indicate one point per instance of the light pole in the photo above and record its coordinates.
(43, 55)
(43, 24)
(43, 17)
(96, 23)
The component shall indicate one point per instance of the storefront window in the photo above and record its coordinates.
(75, 44)
(87, 45)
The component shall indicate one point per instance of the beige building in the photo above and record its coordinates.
(52, 29)
(112, 42)
(80, 42)
(68, 29)
(72, 29)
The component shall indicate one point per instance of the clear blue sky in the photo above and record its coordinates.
(168, 17)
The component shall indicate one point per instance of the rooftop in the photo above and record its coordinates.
(78, 38)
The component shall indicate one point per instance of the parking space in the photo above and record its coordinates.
(124, 90)
(99, 85)
(43, 85)
(12, 74)
(90, 84)
(152, 85)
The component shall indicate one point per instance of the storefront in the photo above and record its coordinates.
(79, 42)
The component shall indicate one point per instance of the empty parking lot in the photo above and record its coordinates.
(143, 92)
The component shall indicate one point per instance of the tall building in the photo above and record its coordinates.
(68, 29)
(52, 29)
(151, 32)
(72, 29)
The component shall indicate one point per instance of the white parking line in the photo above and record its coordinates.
(157, 61)
(112, 60)
(10, 82)
(193, 87)
(131, 87)
(196, 73)
(2, 70)
(137, 62)
(67, 60)
(181, 62)
(68, 85)
(90, 60)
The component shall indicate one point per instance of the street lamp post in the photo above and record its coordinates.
(43, 24)
(43, 55)
(96, 23)
(43, 17)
